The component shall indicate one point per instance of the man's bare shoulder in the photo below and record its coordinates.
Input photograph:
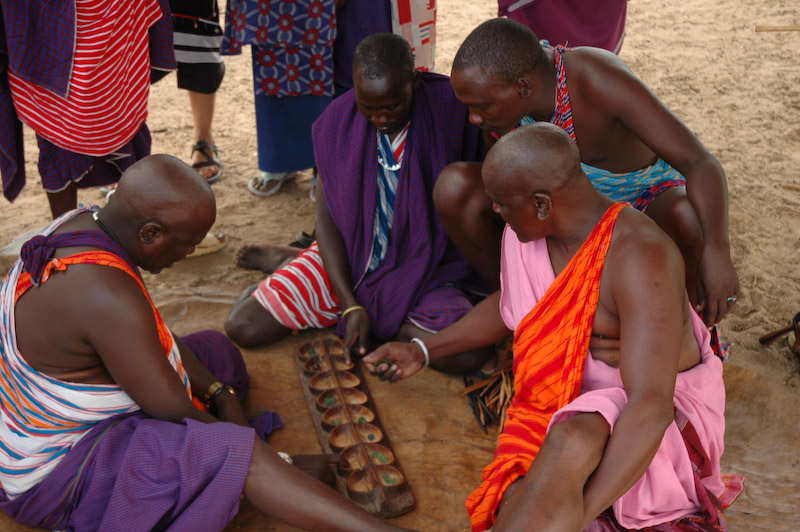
(641, 250)
(84, 297)
(586, 60)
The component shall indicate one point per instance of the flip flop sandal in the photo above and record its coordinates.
(210, 152)
(261, 181)
(211, 243)
(303, 240)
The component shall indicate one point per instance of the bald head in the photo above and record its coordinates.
(539, 156)
(161, 209)
(502, 49)
(161, 188)
(534, 179)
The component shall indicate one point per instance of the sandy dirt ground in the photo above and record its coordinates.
(737, 89)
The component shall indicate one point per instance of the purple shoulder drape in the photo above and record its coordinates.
(420, 255)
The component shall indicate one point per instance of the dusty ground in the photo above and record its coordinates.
(739, 90)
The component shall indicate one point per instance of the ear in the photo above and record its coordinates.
(416, 77)
(149, 232)
(543, 204)
(523, 86)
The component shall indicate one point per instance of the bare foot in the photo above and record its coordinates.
(267, 258)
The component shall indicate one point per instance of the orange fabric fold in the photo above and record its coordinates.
(550, 348)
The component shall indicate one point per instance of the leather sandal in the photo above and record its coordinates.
(210, 152)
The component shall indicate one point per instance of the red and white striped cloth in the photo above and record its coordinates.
(299, 295)
(107, 98)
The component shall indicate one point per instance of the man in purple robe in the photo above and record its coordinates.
(383, 266)
(101, 421)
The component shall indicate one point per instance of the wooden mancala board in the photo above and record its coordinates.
(347, 424)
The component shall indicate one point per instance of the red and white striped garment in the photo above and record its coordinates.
(299, 295)
(106, 102)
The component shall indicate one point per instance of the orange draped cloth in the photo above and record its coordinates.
(550, 348)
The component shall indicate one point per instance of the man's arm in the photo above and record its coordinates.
(480, 327)
(337, 266)
(227, 406)
(648, 118)
(121, 328)
(647, 289)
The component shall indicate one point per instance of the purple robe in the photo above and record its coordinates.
(159, 475)
(420, 255)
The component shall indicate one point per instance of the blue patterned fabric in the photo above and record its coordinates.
(292, 40)
(388, 173)
(639, 187)
(421, 256)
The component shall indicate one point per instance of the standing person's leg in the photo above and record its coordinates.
(203, 148)
(63, 201)
(197, 42)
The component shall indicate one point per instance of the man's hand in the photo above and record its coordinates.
(717, 285)
(318, 466)
(395, 361)
(356, 334)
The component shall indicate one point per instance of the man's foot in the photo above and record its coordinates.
(268, 183)
(205, 159)
(267, 258)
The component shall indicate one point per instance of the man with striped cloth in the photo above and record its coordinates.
(77, 73)
(383, 266)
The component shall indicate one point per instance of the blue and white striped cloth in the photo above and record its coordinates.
(390, 159)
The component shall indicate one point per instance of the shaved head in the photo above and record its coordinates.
(161, 188)
(539, 156)
(533, 177)
(161, 210)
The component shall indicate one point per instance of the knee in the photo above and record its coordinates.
(456, 186)
(240, 327)
(678, 218)
(687, 226)
(578, 443)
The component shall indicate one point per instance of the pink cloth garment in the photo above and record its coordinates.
(598, 23)
(667, 489)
